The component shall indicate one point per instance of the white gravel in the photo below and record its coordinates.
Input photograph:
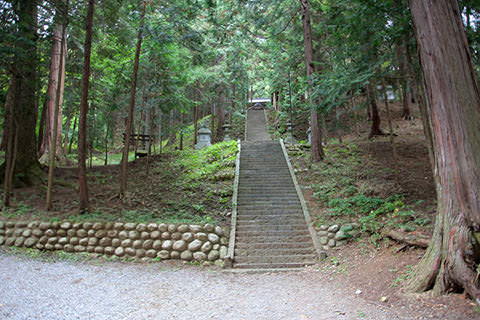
(33, 289)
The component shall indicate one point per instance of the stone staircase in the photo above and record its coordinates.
(271, 230)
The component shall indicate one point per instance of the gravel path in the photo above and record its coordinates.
(33, 289)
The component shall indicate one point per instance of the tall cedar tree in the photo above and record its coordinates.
(82, 123)
(453, 108)
(26, 166)
(128, 130)
(317, 149)
(56, 80)
(56, 133)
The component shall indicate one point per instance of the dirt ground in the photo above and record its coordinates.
(160, 195)
(380, 271)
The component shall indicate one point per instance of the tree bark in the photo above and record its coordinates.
(220, 115)
(195, 124)
(55, 81)
(82, 123)
(57, 138)
(27, 168)
(68, 121)
(317, 148)
(128, 131)
(453, 107)
(172, 134)
(7, 109)
(75, 120)
(372, 101)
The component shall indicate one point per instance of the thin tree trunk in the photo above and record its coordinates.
(220, 115)
(372, 100)
(73, 134)
(151, 118)
(172, 134)
(68, 122)
(212, 118)
(195, 124)
(390, 127)
(160, 118)
(182, 119)
(82, 124)
(106, 143)
(55, 141)
(123, 174)
(317, 148)
(453, 107)
(42, 128)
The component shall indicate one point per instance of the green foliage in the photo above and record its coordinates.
(205, 163)
(344, 200)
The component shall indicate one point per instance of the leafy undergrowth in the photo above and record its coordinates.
(349, 186)
(185, 186)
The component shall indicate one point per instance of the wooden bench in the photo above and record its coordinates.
(144, 139)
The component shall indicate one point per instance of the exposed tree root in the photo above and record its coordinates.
(408, 238)
(448, 264)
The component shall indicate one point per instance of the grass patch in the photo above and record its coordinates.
(345, 187)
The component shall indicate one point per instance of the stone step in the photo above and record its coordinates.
(290, 265)
(272, 233)
(272, 238)
(251, 200)
(271, 227)
(273, 245)
(252, 214)
(272, 222)
(264, 208)
(267, 195)
(279, 179)
(296, 258)
(250, 252)
(266, 189)
(270, 218)
(258, 202)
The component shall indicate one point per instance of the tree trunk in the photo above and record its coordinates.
(195, 124)
(372, 101)
(212, 118)
(220, 115)
(7, 109)
(73, 134)
(55, 81)
(404, 82)
(56, 114)
(128, 131)
(172, 134)
(182, 119)
(27, 168)
(317, 148)
(160, 127)
(67, 131)
(453, 107)
(82, 123)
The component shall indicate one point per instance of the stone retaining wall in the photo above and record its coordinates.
(163, 241)
(337, 235)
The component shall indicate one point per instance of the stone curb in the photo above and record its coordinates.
(316, 243)
(233, 226)
(161, 241)
(246, 125)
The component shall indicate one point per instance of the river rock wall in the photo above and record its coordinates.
(163, 241)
